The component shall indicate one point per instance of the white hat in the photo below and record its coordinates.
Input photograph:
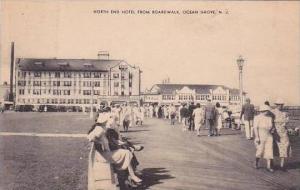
(103, 117)
(264, 108)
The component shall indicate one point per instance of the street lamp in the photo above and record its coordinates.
(240, 62)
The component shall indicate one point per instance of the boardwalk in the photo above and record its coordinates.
(174, 159)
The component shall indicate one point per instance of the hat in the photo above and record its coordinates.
(103, 117)
(264, 108)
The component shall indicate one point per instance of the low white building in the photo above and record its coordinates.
(198, 93)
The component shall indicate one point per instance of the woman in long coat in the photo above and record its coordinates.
(263, 137)
(281, 138)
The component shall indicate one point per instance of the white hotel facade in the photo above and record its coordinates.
(197, 93)
(75, 82)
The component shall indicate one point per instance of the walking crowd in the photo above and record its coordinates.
(265, 125)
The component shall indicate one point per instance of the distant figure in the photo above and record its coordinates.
(172, 112)
(1, 108)
(165, 110)
(198, 115)
(210, 115)
(191, 118)
(142, 114)
(218, 120)
(160, 112)
(45, 109)
(151, 110)
(178, 113)
(281, 136)
(184, 114)
(126, 118)
(248, 112)
(156, 111)
(263, 124)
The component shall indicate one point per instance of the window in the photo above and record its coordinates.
(67, 83)
(57, 74)
(86, 92)
(116, 84)
(96, 92)
(36, 83)
(56, 92)
(67, 92)
(21, 83)
(86, 75)
(123, 76)
(21, 91)
(56, 83)
(36, 92)
(22, 74)
(116, 75)
(97, 84)
(37, 74)
(97, 75)
(116, 93)
(67, 74)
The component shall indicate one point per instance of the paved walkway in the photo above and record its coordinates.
(173, 159)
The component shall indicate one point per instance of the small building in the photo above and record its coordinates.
(4, 96)
(198, 93)
(75, 82)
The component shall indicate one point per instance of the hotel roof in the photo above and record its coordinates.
(29, 64)
(199, 88)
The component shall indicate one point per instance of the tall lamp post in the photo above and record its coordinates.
(240, 63)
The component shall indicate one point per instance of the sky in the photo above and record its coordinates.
(187, 48)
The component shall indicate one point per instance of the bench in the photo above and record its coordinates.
(100, 172)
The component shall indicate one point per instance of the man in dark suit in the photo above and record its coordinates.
(210, 116)
(191, 118)
(248, 111)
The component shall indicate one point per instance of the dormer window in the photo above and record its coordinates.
(88, 65)
(63, 65)
(39, 63)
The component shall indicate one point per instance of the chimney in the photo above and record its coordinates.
(103, 55)
(12, 57)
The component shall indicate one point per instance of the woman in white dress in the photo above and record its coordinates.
(198, 115)
(263, 137)
(218, 121)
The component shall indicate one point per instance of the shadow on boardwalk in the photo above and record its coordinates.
(153, 176)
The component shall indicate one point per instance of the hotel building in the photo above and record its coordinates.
(199, 93)
(75, 82)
